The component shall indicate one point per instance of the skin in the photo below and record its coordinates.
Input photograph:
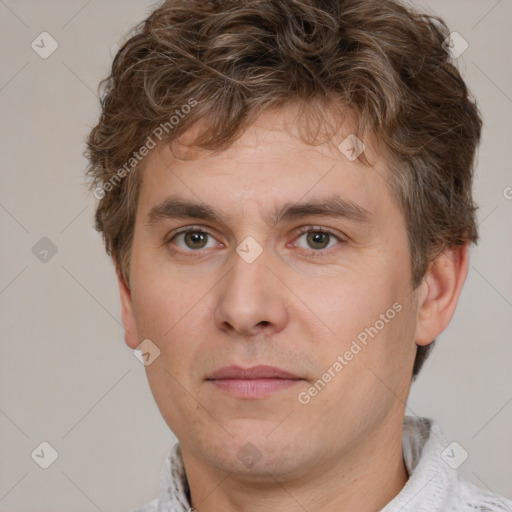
(297, 307)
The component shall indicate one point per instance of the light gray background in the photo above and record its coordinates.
(67, 377)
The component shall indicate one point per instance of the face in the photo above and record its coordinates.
(274, 277)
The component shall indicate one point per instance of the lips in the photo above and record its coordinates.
(254, 382)
(256, 372)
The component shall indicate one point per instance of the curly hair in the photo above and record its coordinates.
(226, 62)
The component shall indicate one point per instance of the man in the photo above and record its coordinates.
(285, 190)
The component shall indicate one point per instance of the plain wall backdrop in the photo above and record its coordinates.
(66, 375)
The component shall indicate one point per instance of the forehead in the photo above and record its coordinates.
(268, 166)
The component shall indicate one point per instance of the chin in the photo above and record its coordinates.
(256, 455)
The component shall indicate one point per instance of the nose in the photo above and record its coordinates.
(251, 300)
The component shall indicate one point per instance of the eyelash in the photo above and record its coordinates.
(300, 231)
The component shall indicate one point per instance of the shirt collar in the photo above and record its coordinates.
(432, 485)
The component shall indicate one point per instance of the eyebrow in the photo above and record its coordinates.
(332, 206)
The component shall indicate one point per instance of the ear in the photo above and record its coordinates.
(440, 293)
(131, 335)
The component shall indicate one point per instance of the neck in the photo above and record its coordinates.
(365, 479)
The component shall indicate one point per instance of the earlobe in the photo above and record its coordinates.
(130, 335)
(440, 292)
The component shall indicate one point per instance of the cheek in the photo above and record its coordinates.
(165, 317)
(171, 319)
(366, 371)
(370, 317)
(160, 299)
(184, 415)
(358, 302)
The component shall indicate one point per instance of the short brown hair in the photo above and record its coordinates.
(233, 60)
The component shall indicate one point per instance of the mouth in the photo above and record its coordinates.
(255, 382)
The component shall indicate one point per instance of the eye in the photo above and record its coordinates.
(192, 240)
(318, 239)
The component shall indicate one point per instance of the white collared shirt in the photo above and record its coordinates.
(434, 484)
